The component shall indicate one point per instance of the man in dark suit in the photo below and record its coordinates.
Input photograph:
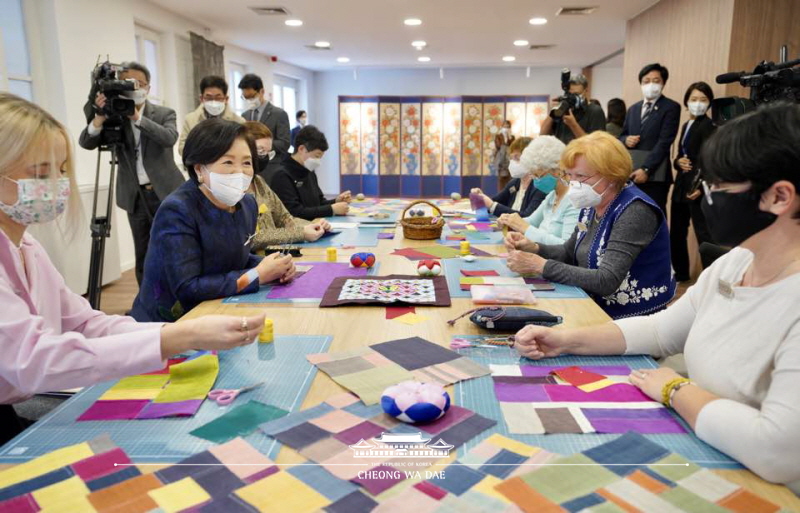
(649, 130)
(275, 118)
(302, 120)
(147, 171)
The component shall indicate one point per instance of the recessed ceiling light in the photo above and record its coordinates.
(537, 21)
(322, 44)
(419, 45)
(521, 42)
(293, 23)
(343, 59)
(424, 59)
(412, 22)
(509, 58)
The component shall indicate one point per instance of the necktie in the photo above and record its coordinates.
(646, 113)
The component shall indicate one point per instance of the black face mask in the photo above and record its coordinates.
(262, 162)
(734, 218)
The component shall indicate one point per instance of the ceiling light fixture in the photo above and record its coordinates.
(322, 44)
(537, 21)
(424, 59)
(293, 23)
(413, 22)
(521, 42)
(343, 60)
(509, 58)
(419, 45)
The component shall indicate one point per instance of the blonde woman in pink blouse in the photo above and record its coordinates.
(50, 338)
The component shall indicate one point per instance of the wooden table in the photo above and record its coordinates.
(353, 327)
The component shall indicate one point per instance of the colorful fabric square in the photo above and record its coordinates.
(239, 421)
(282, 492)
(314, 283)
(594, 399)
(176, 391)
(368, 372)
(629, 473)
(383, 290)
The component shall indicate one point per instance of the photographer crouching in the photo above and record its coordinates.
(144, 135)
(573, 116)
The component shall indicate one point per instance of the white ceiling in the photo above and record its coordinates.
(459, 33)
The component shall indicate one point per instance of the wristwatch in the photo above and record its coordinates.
(646, 169)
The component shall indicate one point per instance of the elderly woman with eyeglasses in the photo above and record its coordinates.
(619, 250)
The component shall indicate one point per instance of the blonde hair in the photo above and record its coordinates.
(28, 133)
(519, 144)
(543, 154)
(258, 130)
(604, 153)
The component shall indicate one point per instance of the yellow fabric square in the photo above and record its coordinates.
(411, 318)
(486, 487)
(471, 280)
(67, 495)
(179, 495)
(192, 379)
(114, 394)
(282, 492)
(597, 385)
(512, 445)
(144, 381)
(471, 228)
(44, 464)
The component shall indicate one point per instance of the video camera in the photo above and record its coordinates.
(105, 79)
(769, 82)
(568, 100)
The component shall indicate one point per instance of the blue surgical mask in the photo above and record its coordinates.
(546, 183)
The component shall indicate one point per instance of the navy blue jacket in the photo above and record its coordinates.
(505, 198)
(657, 134)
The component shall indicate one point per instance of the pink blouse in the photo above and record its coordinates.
(51, 339)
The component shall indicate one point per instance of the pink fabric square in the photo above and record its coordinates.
(363, 431)
(453, 416)
(100, 465)
(619, 393)
(114, 410)
(342, 400)
(431, 490)
(377, 359)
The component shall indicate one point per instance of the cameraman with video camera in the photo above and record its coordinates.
(144, 135)
(573, 116)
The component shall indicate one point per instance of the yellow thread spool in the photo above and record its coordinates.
(331, 252)
(465, 247)
(267, 334)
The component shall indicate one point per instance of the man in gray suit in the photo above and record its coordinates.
(275, 118)
(147, 172)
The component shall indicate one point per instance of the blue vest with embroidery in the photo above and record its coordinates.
(649, 284)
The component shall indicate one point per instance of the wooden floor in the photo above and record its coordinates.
(117, 297)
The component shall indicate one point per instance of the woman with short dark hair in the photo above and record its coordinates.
(202, 233)
(616, 116)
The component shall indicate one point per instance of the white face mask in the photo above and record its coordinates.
(252, 103)
(271, 155)
(698, 108)
(213, 107)
(504, 130)
(582, 195)
(312, 164)
(138, 96)
(303, 121)
(229, 189)
(37, 200)
(516, 169)
(651, 90)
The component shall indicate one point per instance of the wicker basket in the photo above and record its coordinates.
(422, 228)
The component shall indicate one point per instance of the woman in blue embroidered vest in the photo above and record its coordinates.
(619, 251)
(201, 237)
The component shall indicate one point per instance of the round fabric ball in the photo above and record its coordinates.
(429, 268)
(360, 196)
(362, 260)
(455, 196)
(415, 402)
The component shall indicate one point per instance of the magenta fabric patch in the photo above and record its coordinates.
(520, 393)
(314, 283)
(431, 490)
(390, 476)
(363, 431)
(100, 465)
(611, 370)
(453, 416)
(258, 476)
(619, 393)
(126, 409)
(177, 409)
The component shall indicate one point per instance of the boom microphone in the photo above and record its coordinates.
(732, 76)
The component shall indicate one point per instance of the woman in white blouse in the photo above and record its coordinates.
(739, 325)
(555, 219)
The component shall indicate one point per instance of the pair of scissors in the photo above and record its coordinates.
(224, 397)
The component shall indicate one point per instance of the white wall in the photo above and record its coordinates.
(606, 84)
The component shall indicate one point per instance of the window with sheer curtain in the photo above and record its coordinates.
(148, 52)
(236, 72)
(15, 60)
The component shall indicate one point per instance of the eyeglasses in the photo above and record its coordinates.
(731, 189)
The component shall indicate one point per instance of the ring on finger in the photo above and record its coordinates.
(244, 324)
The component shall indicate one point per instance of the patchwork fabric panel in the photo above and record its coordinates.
(368, 371)
(542, 400)
(383, 290)
(177, 390)
(360, 443)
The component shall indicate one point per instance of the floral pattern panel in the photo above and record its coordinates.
(471, 137)
(349, 138)
(432, 139)
(493, 117)
(536, 112)
(515, 112)
(451, 139)
(369, 138)
(389, 138)
(410, 138)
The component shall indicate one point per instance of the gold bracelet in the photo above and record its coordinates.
(669, 387)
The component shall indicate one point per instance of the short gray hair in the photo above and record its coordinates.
(543, 154)
(579, 79)
(133, 65)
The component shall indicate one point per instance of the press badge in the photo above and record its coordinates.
(582, 226)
